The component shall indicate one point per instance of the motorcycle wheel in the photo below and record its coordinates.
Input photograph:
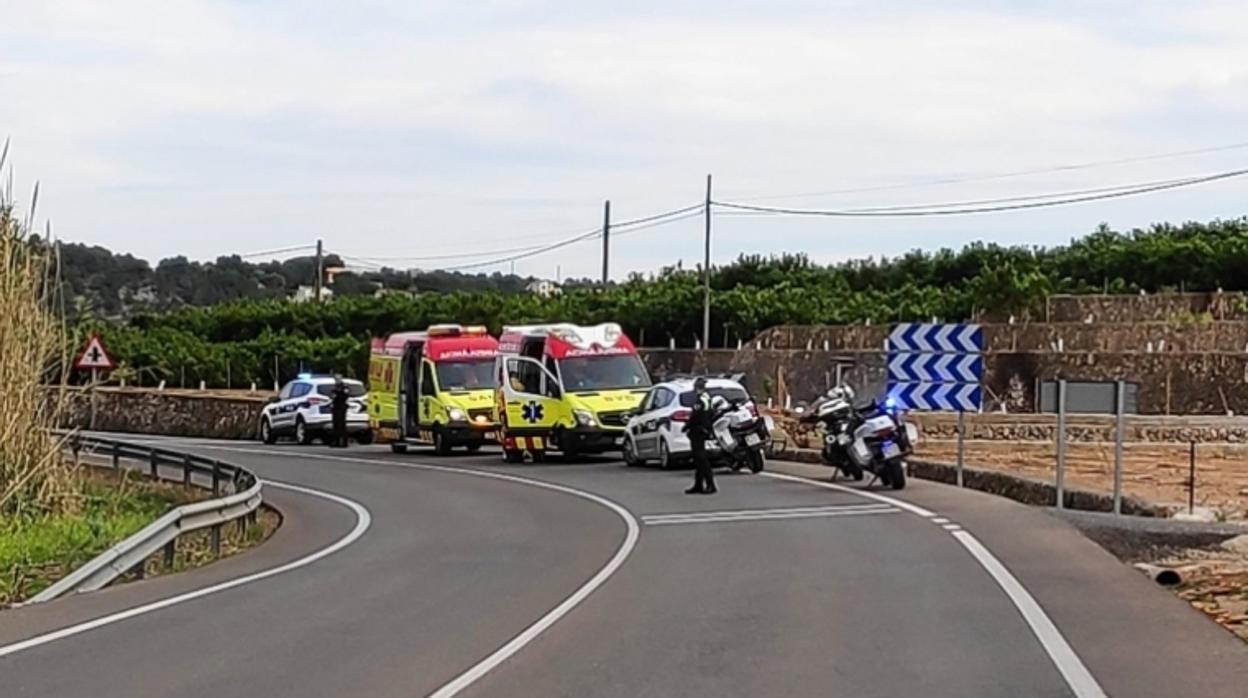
(757, 461)
(896, 475)
(853, 470)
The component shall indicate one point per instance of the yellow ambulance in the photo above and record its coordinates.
(566, 387)
(434, 387)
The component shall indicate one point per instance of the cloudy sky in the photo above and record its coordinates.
(430, 128)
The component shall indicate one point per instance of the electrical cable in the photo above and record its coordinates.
(279, 250)
(1007, 175)
(937, 210)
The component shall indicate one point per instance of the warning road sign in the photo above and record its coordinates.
(94, 357)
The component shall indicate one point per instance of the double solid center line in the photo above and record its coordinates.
(703, 517)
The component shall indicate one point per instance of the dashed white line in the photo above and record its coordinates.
(1063, 656)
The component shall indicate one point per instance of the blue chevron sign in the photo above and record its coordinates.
(936, 338)
(949, 397)
(935, 368)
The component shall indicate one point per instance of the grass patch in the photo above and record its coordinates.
(36, 550)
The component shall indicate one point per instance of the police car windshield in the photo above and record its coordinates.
(465, 375)
(729, 393)
(585, 373)
(354, 389)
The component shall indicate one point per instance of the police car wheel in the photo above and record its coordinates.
(665, 455)
(630, 452)
(302, 435)
(266, 432)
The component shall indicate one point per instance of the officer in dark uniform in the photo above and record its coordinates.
(338, 410)
(699, 429)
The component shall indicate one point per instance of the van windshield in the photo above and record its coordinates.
(465, 375)
(618, 372)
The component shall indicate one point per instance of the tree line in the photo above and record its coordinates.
(267, 339)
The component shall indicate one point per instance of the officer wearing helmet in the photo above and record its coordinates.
(699, 430)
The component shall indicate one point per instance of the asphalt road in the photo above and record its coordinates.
(454, 575)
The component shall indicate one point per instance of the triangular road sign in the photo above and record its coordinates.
(94, 356)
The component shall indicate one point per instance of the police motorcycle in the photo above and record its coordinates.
(873, 438)
(741, 435)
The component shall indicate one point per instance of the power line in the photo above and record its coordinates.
(1007, 175)
(940, 210)
(1012, 199)
(633, 226)
(279, 250)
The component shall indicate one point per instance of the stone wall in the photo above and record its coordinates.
(1165, 307)
(169, 412)
(1190, 367)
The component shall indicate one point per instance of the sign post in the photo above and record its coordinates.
(937, 367)
(94, 358)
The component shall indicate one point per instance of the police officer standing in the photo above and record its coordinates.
(699, 430)
(338, 410)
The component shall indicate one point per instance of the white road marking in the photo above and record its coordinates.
(1077, 676)
(952, 527)
(1063, 655)
(517, 643)
(774, 516)
(750, 512)
(900, 504)
(363, 519)
(940, 520)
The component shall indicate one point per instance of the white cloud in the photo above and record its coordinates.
(228, 122)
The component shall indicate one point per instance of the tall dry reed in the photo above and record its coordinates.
(33, 476)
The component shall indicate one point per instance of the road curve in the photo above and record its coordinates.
(773, 587)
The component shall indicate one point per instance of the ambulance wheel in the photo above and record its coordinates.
(513, 456)
(398, 447)
(441, 445)
(539, 456)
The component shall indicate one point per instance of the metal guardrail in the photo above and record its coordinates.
(236, 497)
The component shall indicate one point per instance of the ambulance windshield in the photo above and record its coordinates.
(617, 372)
(465, 375)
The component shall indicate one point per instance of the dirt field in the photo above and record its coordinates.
(1155, 472)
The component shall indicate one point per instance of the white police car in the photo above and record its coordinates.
(303, 409)
(655, 431)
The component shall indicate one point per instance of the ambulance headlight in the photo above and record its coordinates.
(456, 414)
(584, 418)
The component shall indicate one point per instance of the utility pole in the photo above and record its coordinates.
(320, 270)
(606, 241)
(706, 272)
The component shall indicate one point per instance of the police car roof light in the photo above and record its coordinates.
(304, 376)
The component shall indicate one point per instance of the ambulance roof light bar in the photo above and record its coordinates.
(453, 330)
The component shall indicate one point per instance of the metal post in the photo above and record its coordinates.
(1118, 437)
(320, 271)
(606, 241)
(961, 443)
(186, 470)
(154, 461)
(116, 456)
(706, 267)
(216, 540)
(1191, 479)
(94, 378)
(171, 549)
(216, 478)
(1061, 444)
